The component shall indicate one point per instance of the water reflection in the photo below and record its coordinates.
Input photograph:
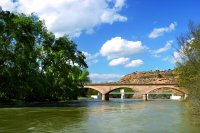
(89, 116)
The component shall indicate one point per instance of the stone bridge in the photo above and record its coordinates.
(144, 89)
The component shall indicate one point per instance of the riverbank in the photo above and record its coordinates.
(68, 103)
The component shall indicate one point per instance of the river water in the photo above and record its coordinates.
(90, 116)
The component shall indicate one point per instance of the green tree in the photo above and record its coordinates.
(18, 63)
(34, 64)
(188, 69)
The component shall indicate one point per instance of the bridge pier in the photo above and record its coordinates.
(122, 93)
(99, 96)
(145, 97)
(105, 97)
(185, 96)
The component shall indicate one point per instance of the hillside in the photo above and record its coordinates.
(150, 77)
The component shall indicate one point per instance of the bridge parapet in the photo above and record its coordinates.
(105, 89)
(116, 84)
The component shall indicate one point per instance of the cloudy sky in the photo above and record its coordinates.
(118, 37)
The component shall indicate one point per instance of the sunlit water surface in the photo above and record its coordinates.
(90, 116)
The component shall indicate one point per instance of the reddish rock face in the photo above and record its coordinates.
(150, 77)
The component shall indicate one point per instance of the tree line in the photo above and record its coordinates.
(34, 64)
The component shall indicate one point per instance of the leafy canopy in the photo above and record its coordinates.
(34, 64)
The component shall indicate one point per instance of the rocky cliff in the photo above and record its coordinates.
(150, 77)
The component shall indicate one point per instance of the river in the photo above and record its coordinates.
(90, 116)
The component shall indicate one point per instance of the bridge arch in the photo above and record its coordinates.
(173, 89)
(93, 92)
(94, 88)
(122, 87)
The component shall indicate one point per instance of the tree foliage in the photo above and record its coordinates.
(34, 64)
(188, 67)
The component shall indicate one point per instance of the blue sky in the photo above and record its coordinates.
(118, 37)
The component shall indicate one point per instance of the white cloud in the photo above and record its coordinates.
(167, 46)
(91, 59)
(180, 55)
(7, 5)
(160, 31)
(70, 16)
(119, 4)
(95, 77)
(118, 61)
(169, 59)
(135, 63)
(119, 47)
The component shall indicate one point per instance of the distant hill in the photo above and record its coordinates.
(150, 77)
